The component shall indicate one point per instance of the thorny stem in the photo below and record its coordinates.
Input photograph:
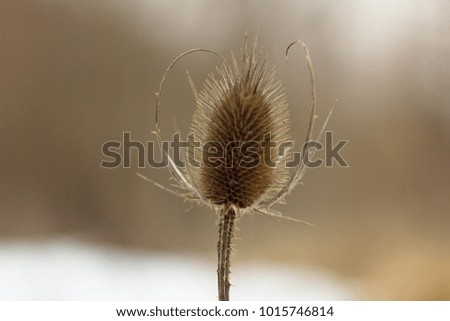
(226, 235)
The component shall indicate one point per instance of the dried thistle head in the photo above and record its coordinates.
(242, 103)
(236, 112)
(239, 110)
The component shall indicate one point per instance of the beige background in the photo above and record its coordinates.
(74, 74)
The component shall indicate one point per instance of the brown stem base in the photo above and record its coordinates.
(226, 235)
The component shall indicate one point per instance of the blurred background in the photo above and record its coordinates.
(75, 74)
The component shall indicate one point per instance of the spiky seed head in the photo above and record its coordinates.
(238, 110)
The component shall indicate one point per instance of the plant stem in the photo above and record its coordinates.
(226, 235)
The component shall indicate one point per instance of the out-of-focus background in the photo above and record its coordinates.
(75, 74)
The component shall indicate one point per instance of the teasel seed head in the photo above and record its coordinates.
(240, 108)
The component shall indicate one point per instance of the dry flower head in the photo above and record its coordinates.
(241, 102)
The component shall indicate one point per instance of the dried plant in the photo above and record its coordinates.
(241, 103)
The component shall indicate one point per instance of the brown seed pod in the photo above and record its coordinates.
(236, 113)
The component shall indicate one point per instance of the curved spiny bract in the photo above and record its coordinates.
(238, 112)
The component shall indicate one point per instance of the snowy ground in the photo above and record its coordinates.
(66, 269)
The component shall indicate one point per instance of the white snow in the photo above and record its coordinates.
(67, 269)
